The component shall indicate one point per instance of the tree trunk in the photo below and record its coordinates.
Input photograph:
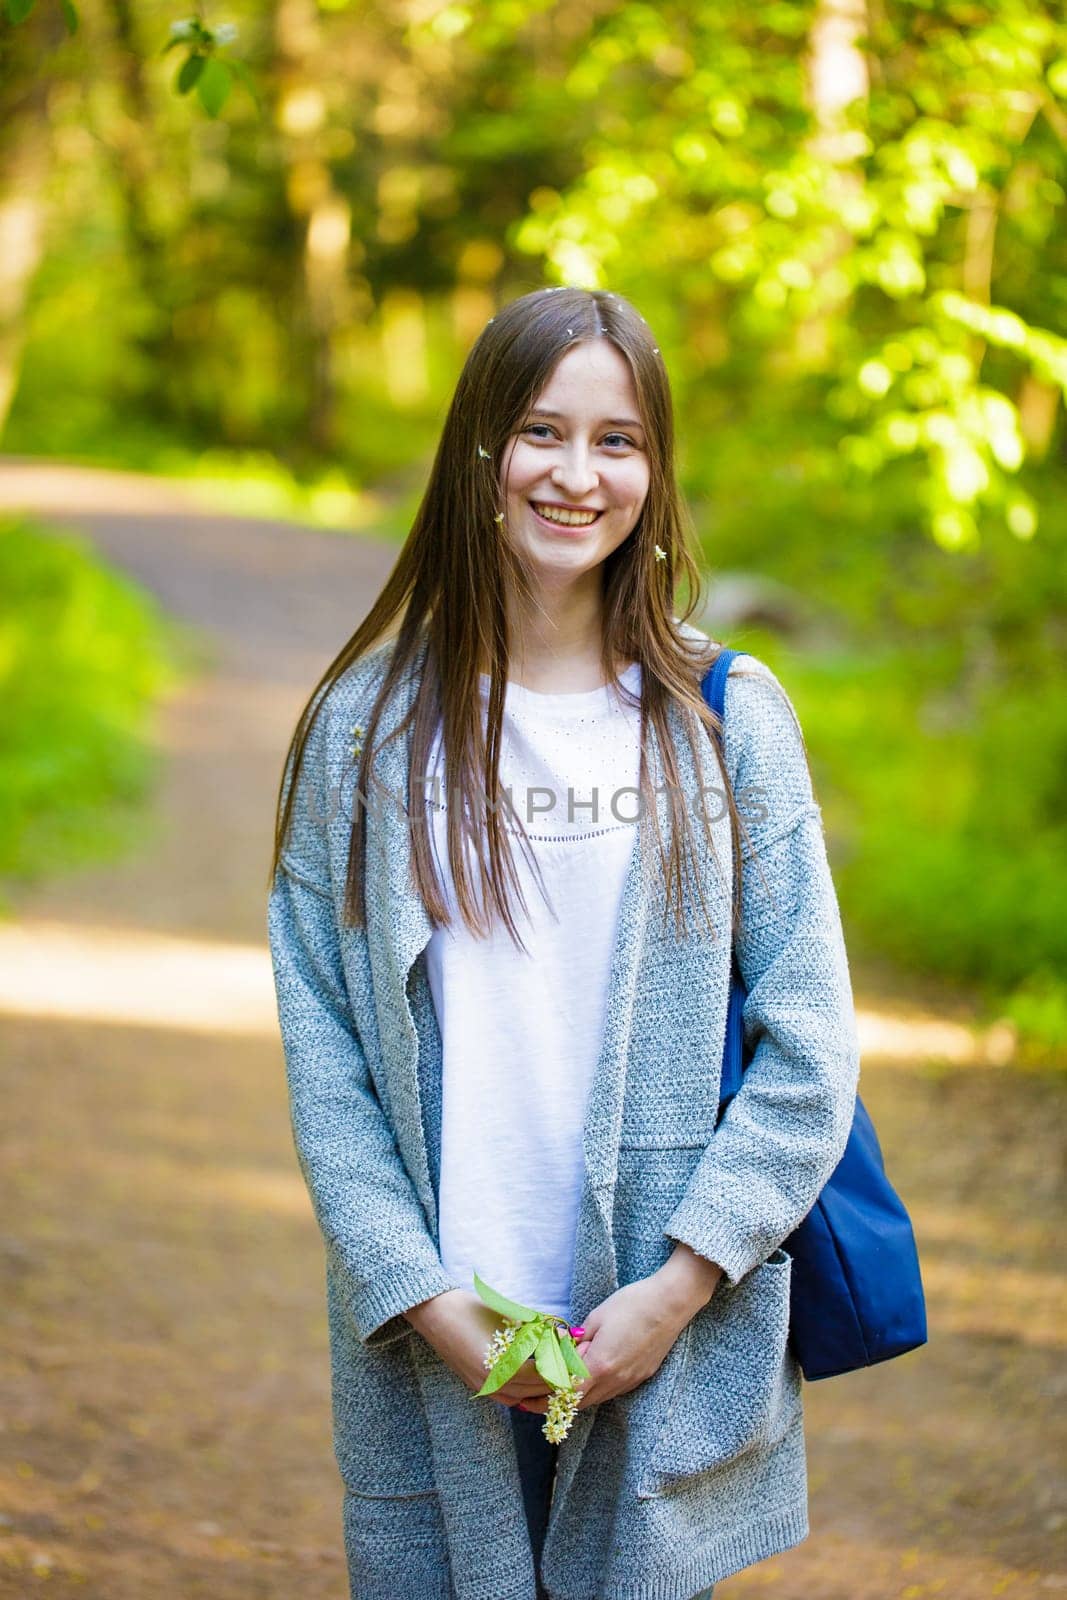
(320, 215)
(25, 163)
(131, 145)
(836, 76)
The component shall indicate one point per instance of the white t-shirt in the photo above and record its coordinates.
(522, 1033)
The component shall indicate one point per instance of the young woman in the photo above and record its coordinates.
(510, 870)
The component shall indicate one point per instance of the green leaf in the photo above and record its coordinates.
(549, 1361)
(213, 85)
(243, 73)
(521, 1346)
(70, 15)
(188, 72)
(18, 10)
(500, 1303)
(575, 1364)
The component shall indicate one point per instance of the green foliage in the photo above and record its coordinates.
(500, 1302)
(548, 1358)
(526, 1340)
(929, 690)
(204, 69)
(530, 1333)
(841, 254)
(958, 861)
(943, 793)
(572, 1360)
(84, 658)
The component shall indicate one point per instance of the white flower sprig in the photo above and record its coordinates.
(561, 1411)
(550, 1341)
(661, 554)
(500, 1342)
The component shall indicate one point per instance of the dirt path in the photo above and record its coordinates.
(164, 1396)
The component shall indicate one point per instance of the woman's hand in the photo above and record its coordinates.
(459, 1326)
(628, 1336)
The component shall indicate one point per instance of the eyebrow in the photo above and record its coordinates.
(605, 422)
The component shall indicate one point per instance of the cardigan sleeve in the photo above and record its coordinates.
(366, 1206)
(785, 1129)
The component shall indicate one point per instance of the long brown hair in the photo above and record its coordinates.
(449, 588)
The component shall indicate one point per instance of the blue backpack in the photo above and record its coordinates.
(856, 1293)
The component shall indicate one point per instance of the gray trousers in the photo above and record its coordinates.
(537, 1473)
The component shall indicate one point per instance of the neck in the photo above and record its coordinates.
(556, 640)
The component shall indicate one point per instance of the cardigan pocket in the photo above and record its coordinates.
(381, 1437)
(738, 1383)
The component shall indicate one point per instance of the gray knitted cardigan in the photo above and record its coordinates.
(700, 1470)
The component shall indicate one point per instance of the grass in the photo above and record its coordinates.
(86, 657)
(944, 829)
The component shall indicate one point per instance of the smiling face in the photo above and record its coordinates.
(576, 472)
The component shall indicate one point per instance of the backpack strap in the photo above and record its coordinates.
(714, 685)
(733, 1062)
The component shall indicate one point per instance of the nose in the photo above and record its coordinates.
(574, 475)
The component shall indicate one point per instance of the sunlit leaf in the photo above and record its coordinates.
(213, 85)
(573, 1360)
(501, 1303)
(966, 474)
(189, 72)
(245, 76)
(1022, 518)
(549, 1361)
(954, 528)
(521, 1347)
(874, 378)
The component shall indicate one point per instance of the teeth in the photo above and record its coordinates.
(571, 519)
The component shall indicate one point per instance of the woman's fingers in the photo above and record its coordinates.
(527, 1388)
(527, 1391)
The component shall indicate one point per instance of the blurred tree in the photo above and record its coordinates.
(25, 160)
(127, 125)
(841, 212)
(321, 216)
(834, 241)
